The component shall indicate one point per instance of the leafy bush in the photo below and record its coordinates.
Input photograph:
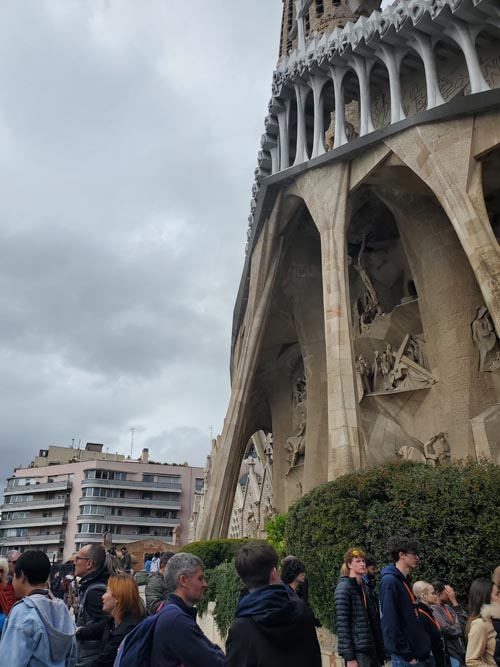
(276, 533)
(451, 510)
(215, 552)
(224, 588)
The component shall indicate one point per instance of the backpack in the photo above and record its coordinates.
(135, 649)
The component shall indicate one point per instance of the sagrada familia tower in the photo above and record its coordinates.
(367, 321)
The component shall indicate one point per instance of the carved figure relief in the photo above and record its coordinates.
(436, 451)
(295, 444)
(404, 370)
(486, 341)
(369, 308)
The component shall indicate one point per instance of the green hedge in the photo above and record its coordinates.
(276, 533)
(452, 511)
(215, 552)
(224, 584)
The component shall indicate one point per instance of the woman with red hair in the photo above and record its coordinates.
(122, 601)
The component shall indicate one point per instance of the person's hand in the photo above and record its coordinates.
(352, 663)
(413, 662)
(451, 595)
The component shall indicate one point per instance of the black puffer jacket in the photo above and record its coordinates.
(358, 626)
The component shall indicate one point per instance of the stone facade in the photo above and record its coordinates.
(368, 318)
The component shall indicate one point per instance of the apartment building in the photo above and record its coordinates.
(63, 505)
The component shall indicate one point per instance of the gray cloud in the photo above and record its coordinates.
(128, 139)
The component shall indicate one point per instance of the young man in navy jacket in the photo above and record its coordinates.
(405, 637)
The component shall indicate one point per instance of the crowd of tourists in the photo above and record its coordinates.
(420, 624)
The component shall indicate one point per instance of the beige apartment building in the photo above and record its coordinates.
(69, 497)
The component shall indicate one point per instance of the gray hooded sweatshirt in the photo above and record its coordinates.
(39, 632)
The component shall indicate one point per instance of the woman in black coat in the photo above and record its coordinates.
(425, 596)
(122, 601)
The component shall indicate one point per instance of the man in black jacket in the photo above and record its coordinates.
(357, 620)
(90, 567)
(271, 629)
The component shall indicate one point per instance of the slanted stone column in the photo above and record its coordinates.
(238, 426)
(325, 192)
(440, 154)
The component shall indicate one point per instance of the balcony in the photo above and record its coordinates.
(130, 502)
(133, 484)
(31, 540)
(62, 485)
(33, 521)
(126, 538)
(126, 520)
(36, 504)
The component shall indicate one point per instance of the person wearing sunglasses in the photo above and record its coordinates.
(90, 567)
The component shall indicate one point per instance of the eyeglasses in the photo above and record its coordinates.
(412, 553)
(82, 558)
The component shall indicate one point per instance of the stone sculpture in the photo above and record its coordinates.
(485, 340)
(409, 453)
(176, 536)
(371, 308)
(296, 443)
(392, 371)
(437, 449)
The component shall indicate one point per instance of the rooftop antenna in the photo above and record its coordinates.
(132, 441)
(211, 434)
(72, 443)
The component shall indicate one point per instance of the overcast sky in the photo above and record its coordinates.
(129, 131)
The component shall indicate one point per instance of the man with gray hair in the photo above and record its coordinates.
(177, 637)
(12, 557)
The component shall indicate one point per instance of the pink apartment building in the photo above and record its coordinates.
(83, 493)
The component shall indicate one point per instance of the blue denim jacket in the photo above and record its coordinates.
(39, 632)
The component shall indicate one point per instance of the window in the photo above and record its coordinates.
(25, 498)
(97, 509)
(15, 532)
(146, 512)
(319, 7)
(47, 514)
(105, 474)
(103, 493)
(18, 515)
(199, 484)
(99, 528)
(161, 479)
(147, 495)
(166, 514)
